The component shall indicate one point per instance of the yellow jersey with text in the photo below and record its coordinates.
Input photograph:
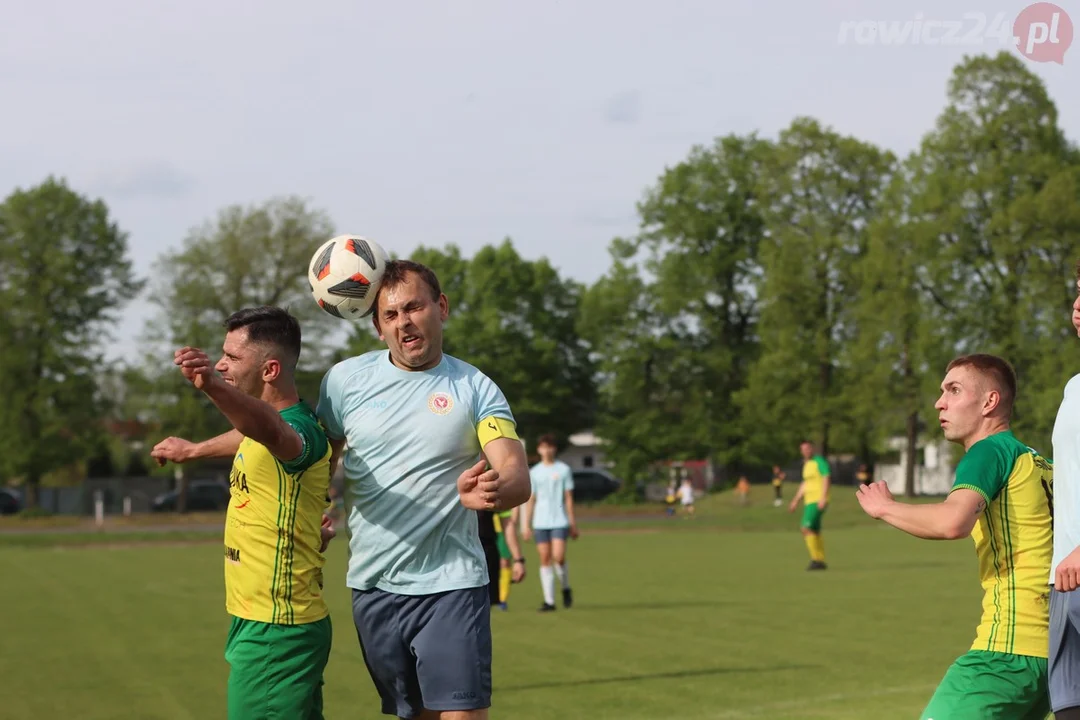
(1014, 540)
(273, 566)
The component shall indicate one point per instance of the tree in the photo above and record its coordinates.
(64, 272)
(673, 322)
(245, 257)
(899, 347)
(821, 190)
(515, 320)
(995, 196)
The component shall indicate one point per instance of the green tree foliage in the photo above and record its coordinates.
(515, 320)
(244, 257)
(673, 322)
(820, 190)
(64, 272)
(995, 207)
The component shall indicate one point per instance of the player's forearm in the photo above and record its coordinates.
(518, 489)
(224, 445)
(510, 533)
(930, 522)
(825, 489)
(570, 509)
(251, 416)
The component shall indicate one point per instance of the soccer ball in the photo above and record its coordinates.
(344, 275)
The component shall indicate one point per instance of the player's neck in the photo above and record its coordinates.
(548, 462)
(991, 426)
(280, 398)
(426, 366)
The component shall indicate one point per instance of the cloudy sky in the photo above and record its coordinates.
(464, 121)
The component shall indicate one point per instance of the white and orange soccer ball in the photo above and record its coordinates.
(345, 273)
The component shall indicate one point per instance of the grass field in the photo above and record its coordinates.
(698, 619)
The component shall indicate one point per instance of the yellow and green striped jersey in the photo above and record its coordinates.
(814, 472)
(1014, 540)
(273, 567)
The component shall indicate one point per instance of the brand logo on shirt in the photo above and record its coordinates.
(440, 403)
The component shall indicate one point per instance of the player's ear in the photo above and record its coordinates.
(375, 324)
(271, 370)
(444, 307)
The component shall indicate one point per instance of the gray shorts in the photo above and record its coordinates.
(1064, 661)
(546, 535)
(426, 652)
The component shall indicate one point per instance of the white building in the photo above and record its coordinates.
(584, 452)
(933, 476)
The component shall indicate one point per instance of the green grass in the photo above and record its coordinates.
(699, 619)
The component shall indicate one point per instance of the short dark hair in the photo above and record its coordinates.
(397, 272)
(547, 439)
(270, 325)
(997, 370)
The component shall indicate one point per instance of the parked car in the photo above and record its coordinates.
(594, 484)
(202, 496)
(10, 501)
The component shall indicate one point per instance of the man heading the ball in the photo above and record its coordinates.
(275, 529)
(1001, 497)
(414, 426)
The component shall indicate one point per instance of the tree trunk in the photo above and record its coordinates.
(912, 391)
(30, 499)
(912, 453)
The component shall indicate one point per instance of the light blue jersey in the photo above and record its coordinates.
(408, 436)
(549, 485)
(1067, 475)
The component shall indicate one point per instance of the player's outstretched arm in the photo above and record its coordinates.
(952, 519)
(252, 417)
(178, 450)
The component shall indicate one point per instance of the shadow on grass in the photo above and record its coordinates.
(658, 605)
(650, 676)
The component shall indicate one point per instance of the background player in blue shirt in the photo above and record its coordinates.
(413, 422)
(549, 515)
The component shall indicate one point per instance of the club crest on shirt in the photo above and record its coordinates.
(440, 403)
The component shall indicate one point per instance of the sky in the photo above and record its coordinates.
(465, 122)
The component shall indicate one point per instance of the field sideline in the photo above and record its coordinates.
(708, 618)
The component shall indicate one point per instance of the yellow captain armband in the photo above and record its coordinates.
(492, 428)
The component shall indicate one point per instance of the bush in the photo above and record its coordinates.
(628, 494)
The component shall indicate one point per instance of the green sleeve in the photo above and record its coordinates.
(985, 468)
(312, 435)
(822, 465)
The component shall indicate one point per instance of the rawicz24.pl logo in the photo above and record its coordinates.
(1042, 32)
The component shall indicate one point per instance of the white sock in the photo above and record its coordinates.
(564, 577)
(547, 582)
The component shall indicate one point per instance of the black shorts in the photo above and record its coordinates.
(491, 556)
(426, 652)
